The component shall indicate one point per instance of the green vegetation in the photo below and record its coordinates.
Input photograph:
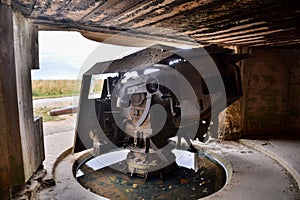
(44, 112)
(54, 88)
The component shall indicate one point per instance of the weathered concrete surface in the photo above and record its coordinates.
(58, 137)
(252, 175)
(56, 143)
(66, 185)
(271, 92)
(243, 22)
(27, 58)
(11, 165)
(285, 151)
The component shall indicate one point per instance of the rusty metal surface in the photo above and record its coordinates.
(229, 22)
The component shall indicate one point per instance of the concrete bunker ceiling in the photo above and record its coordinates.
(226, 22)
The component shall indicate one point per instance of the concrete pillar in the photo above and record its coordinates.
(11, 165)
(21, 140)
(26, 58)
(271, 81)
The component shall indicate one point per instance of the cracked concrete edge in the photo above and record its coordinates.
(227, 165)
(67, 164)
(275, 157)
(215, 154)
(64, 154)
(60, 158)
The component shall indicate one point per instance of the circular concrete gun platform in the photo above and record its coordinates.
(251, 174)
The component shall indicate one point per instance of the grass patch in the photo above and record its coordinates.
(54, 88)
(44, 112)
(46, 96)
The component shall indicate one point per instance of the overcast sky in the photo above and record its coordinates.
(63, 54)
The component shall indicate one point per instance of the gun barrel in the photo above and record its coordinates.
(64, 110)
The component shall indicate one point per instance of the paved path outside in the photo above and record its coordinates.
(54, 102)
(58, 135)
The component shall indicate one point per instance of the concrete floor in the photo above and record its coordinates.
(257, 169)
(284, 151)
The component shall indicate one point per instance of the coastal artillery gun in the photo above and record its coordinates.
(149, 101)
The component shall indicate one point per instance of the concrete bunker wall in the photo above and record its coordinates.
(271, 92)
(21, 136)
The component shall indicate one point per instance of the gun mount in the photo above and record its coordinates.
(143, 101)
